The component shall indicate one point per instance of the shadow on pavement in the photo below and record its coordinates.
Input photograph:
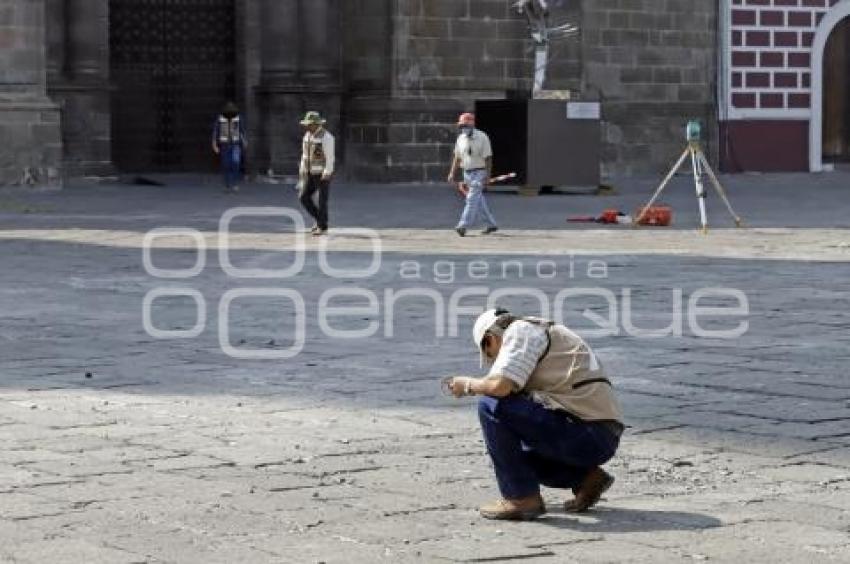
(620, 520)
(762, 200)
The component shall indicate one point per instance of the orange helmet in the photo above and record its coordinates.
(466, 119)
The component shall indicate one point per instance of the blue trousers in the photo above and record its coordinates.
(476, 204)
(532, 446)
(231, 163)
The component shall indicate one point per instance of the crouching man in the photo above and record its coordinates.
(547, 411)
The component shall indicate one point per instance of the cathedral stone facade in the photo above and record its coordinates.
(130, 86)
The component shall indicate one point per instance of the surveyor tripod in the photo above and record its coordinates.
(700, 166)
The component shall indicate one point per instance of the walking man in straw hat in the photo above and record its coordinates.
(316, 170)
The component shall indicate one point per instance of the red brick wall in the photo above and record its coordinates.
(770, 54)
(764, 145)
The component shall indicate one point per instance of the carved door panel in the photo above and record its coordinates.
(173, 67)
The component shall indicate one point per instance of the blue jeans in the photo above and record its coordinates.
(532, 446)
(476, 205)
(231, 163)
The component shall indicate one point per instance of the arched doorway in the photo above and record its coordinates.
(172, 65)
(834, 20)
(836, 95)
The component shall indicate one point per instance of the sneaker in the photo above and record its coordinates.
(525, 509)
(235, 189)
(491, 229)
(461, 231)
(314, 228)
(596, 483)
(318, 232)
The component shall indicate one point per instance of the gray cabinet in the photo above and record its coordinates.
(546, 142)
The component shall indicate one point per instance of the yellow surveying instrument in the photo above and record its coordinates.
(700, 166)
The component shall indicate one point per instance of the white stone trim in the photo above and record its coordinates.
(724, 67)
(832, 18)
(794, 114)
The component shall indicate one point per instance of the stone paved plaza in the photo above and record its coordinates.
(122, 447)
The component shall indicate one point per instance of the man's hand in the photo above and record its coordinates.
(326, 176)
(461, 386)
(215, 149)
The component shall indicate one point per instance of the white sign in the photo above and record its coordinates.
(583, 110)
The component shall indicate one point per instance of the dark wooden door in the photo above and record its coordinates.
(173, 68)
(836, 94)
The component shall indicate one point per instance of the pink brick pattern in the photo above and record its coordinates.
(770, 43)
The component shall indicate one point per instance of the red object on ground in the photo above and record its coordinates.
(659, 216)
(609, 216)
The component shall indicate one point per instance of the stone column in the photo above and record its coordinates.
(321, 67)
(319, 61)
(300, 71)
(279, 91)
(83, 89)
(56, 39)
(280, 48)
(88, 40)
(29, 121)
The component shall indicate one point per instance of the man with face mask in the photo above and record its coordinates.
(474, 155)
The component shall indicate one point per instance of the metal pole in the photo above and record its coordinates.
(719, 188)
(700, 187)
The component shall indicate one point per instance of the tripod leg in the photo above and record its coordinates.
(719, 188)
(663, 185)
(700, 187)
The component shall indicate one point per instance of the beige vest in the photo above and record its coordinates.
(229, 130)
(569, 376)
(314, 151)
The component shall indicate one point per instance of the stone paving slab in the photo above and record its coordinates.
(171, 451)
(814, 244)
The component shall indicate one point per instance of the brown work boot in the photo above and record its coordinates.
(591, 489)
(523, 509)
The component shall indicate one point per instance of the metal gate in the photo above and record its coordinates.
(173, 68)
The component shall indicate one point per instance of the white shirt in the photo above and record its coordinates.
(523, 344)
(472, 151)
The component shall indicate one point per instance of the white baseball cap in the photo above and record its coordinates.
(485, 322)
